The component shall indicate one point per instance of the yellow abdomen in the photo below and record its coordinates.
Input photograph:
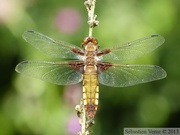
(90, 90)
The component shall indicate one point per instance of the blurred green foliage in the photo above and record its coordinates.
(32, 107)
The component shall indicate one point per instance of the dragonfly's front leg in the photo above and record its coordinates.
(77, 51)
(103, 52)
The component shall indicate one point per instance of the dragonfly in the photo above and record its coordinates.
(90, 65)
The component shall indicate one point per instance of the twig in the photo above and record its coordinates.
(84, 121)
(81, 112)
(90, 6)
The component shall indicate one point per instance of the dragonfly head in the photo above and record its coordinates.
(90, 44)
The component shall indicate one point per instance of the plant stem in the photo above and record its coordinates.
(83, 119)
(90, 6)
(83, 124)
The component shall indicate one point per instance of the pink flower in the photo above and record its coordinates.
(6, 10)
(73, 125)
(72, 95)
(68, 20)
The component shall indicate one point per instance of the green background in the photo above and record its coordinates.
(31, 107)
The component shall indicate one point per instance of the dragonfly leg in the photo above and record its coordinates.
(103, 52)
(77, 65)
(103, 66)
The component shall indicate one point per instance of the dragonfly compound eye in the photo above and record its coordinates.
(90, 39)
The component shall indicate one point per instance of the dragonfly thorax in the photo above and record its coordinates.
(90, 58)
(90, 46)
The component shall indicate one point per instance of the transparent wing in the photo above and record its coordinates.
(134, 49)
(54, 72)
(128, 75)
(56, 49)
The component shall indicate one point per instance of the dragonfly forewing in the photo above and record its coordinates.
(134, 49)
(60, 73)
(51, 47)
(128, 75)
